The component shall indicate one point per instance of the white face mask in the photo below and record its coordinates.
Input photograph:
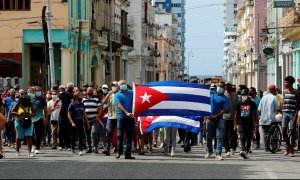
(114, 88)
(244, 98)
(54, 97)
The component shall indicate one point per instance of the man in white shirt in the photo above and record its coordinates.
(268, 107)
(54, 116)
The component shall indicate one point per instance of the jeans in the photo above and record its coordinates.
(201, 133)
(111, 126)
(78, 132)
(287, 121)
(64, 133)
(125, 125)
(215, 128)
(245, 137)
(37, 133)
(93, 134)
(230, 136)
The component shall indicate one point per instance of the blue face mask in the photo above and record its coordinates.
(123, 87)
(30, 94)
(220, 90)
(38, 93)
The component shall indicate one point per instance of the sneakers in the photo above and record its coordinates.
(232, 152)
(36, 152)
(32, 149)
(18, 154)
(219, 158)
(80, 153)
(172, 152)
(244, 154)
(95, 150)
(292, 153)
(161, 145)
(228, 154)
(69, 149)
(60, 148)
(208, 155)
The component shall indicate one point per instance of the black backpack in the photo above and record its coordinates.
(25, 119)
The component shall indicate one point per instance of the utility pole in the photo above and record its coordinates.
(79, 54)
(45, 32)
(258, 56)
(277, 53)
(51, 55)
(110, 43)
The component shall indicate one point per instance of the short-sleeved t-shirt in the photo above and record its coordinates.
(77, 110)
(22, 110)
(38, 104)
(54, 114)
(218, 103)
(126, 99)
(7, 101)
(246, 109)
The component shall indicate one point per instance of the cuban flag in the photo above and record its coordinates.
(171, 104)
(171, 98)
(149, 123)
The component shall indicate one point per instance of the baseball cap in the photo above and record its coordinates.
(272, 87)
(104, 86)
(62, 87)
(86, 85)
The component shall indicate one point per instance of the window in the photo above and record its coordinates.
(235, 5)
(174, 5)
(179, 15)
(235, 11)
(15, 5)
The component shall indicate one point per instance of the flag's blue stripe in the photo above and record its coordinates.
(174, 112)
(176, 84)
(172, 124)
(188, 98)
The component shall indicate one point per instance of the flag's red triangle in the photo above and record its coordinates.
(145, 98)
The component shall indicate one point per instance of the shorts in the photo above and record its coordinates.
(287, 120)
(22, 132)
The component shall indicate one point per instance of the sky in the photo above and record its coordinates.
(204, 37)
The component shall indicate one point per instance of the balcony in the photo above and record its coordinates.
(99, 38)
(126, 41)
(287, 21)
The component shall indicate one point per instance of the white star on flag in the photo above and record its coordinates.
(146, 97)
(149, 117)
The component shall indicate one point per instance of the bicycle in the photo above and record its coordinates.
(274, 137)
(297, 137)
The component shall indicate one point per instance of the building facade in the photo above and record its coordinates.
(177, 8)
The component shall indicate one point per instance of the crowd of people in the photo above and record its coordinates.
(85, 119)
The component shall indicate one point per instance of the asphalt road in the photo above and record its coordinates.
(53, 164)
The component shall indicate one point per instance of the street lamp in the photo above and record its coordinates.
(190, 53)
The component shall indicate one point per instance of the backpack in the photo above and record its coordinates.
(25, 119)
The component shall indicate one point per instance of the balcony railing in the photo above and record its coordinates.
(127, 41)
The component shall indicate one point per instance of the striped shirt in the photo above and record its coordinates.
(289, 101)
(91, 106)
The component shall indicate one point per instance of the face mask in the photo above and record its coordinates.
(38, 93)
(286, 85)
(123, 87)
(104, 91)
(90, 94)
(17, 99)
(114, 88)
(244, 98)
(30, 94)
(220, 90)
(54, 97)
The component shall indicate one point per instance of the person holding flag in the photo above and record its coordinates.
(125, 121)
(215, 123)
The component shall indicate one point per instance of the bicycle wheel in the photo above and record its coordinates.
(274, 139)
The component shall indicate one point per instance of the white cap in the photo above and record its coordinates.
(62, 87)
(104, 86)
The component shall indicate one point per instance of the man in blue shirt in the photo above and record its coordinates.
(40, 106)
(9, 127)
(215, 124)
(124, 101)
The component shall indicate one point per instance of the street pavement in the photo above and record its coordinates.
(53, 164)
